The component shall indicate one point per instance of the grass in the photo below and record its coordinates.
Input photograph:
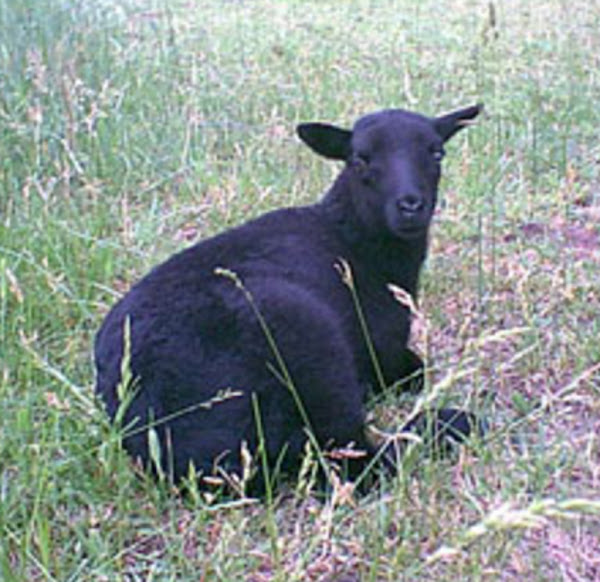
(129, 130)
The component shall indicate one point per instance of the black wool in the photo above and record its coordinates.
(216, 329)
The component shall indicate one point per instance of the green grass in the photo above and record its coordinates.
(130, 129)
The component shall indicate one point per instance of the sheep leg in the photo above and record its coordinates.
(441, 430)
(412, 372)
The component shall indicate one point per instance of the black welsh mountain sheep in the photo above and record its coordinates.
(252, 335)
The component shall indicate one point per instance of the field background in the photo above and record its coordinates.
(131, 129)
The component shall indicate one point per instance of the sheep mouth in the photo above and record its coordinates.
(411, 232)
(408, 227)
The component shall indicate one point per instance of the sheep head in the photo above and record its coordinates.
(393, 165)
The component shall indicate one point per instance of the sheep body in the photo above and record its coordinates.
(210, 327)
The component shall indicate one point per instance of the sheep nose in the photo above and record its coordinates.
(410, 204)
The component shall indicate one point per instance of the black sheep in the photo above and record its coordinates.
(257, 324)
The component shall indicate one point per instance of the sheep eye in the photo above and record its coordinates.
(361, 162)
(438, 155)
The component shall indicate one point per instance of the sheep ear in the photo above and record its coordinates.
(447, 125)
(326, 140)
